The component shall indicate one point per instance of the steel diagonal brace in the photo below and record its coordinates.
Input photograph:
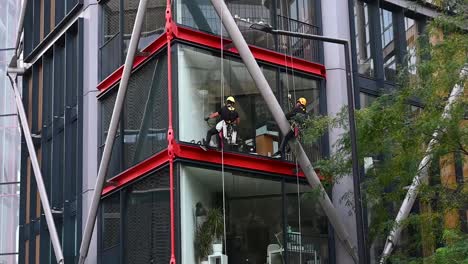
(106, 156)
(413, 190)
(37, 171)
(280, 118)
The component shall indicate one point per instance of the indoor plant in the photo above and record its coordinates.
(210, 234)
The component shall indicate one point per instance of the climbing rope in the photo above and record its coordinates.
(222, 143)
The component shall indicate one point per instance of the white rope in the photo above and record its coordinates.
(294, 105)
(222, 143)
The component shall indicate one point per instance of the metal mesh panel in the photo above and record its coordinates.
(145, 117)
(148, 220)
(110, 23)
(111, 221)
(298, 47)
(135, 106)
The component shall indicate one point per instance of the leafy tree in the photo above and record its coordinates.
(393, 134)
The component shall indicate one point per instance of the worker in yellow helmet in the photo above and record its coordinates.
(228, 116)
(297, 117)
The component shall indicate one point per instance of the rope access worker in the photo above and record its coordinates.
(296, 116)
(228, 116)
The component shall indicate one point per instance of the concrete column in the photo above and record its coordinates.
(335, 23)
(90, 113)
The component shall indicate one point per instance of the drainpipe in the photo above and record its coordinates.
(106, 156)
(280, 119)
(422, 174)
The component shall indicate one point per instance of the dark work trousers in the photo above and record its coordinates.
(209, 134)
(284, 142)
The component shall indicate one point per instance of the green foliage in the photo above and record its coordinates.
(210, 231)
(395, 135)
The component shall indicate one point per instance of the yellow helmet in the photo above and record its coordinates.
(231, 99)
(302, 101)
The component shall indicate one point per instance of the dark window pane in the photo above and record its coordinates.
(147, 230)
(388, 44)
(411, 28)
(363, 42)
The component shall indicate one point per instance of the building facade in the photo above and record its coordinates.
(160, 186)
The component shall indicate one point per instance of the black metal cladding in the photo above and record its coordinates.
(136, 219)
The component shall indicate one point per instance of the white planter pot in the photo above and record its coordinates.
(217, 249)
(204, 262)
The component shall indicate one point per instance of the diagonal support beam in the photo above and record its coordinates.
(37, 172)
(106, 156)
(280, 119)
(422, 174)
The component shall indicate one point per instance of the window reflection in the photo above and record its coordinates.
(363, 43)
(255, 229)
(388, 44)
(307, 236)
(200, 93)
(411, 42)
(200, 84)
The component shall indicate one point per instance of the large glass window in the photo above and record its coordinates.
(143, 128)
(256, 209)
(388, 44)
(363, 42)
(201, 93)
(201, 90)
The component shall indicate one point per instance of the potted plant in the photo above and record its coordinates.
(210, 234)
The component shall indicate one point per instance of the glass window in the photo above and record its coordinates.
(200, 90)
(363, 43)
(295, 86)
(411, 29)
(201, 15)
(143, 128)
(388, 44)
(307, 226)
(254, 216)
(147, 226)
(199, 80)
